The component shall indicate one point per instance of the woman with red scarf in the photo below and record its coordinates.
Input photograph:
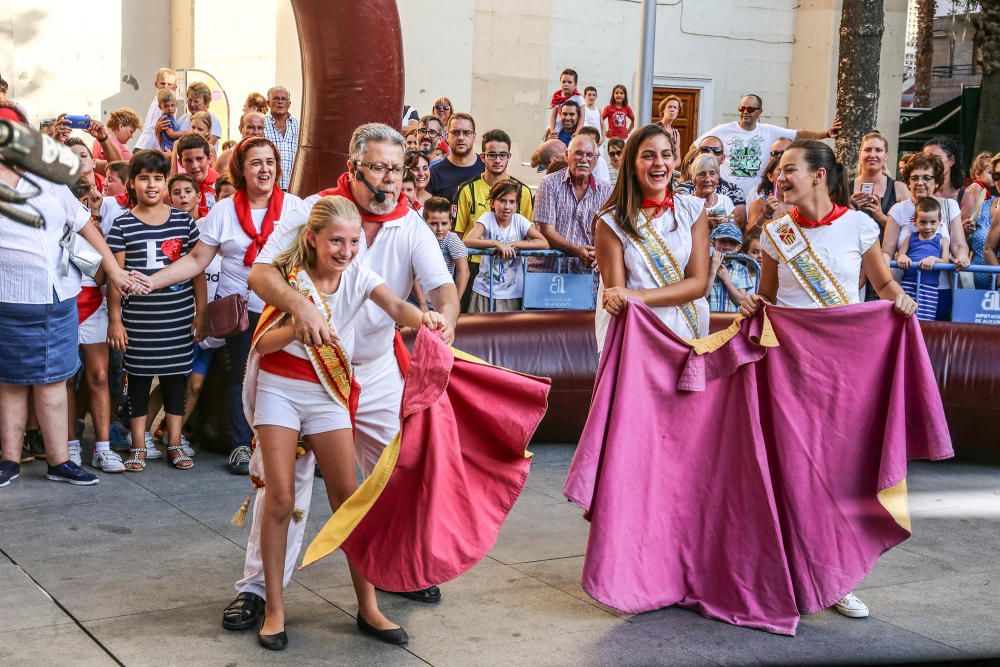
(237, 228)
(652, 245)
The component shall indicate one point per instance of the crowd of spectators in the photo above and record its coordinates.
(187, 209)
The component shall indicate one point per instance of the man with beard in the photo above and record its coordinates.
(462, 164)
(428, 134)
(406, 249)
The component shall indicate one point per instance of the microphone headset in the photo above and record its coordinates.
(379, 196)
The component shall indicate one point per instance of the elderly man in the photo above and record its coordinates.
(746, 139)
(251, 125)
(282, 130)
(713, 146)
(548, 152)
(566, 203)
(406, 250)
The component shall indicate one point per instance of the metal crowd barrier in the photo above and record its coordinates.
(968, 305)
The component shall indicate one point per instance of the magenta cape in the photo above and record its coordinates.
(434, 504)
(761, 479)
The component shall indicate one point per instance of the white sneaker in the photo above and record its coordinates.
(152, 453)
(108, 461)
(851, 607)
(185, 443)
(74, 453)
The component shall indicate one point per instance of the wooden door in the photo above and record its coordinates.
(687, 121)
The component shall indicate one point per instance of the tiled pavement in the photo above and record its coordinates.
(138, 569)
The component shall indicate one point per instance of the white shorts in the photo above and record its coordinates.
(296, 404)
(94, 329)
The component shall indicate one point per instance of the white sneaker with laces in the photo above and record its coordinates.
(74, 453)
(152, 453)
(108, 461)
(851, 607)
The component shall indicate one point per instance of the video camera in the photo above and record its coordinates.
(38, 154)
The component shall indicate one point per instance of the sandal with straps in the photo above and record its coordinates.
(134, 460)
(176, 461)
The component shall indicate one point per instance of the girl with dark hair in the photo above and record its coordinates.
(617, 117)
(950, 153)
(651, 244)
(813, 256)
(770, 201)
(419, 165)
(237, 228)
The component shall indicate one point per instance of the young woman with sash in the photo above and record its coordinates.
(813, 256)
(652, 245)
(295, 391)
(237, 228)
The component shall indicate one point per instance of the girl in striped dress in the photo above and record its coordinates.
(154, 330)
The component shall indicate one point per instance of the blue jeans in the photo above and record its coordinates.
(238, 347)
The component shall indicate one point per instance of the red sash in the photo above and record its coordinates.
(87, 302)
(287, 365)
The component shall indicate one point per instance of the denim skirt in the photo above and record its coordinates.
(38, 342)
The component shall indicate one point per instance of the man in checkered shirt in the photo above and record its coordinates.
(282, 130)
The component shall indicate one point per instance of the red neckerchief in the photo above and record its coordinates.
(837, 211)
(123, 201)
(559, 97)
(242, 205)
(205, 187)
(659, 206)
(343, 188)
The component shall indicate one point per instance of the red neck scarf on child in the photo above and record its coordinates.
(803, 221)
(343, 188)
(659, 206)
(257, 240)
(204, 188)
(559, 97)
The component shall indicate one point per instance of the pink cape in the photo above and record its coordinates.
(760, 480)
(435, 502)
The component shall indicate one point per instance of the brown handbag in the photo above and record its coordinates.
(226, 317)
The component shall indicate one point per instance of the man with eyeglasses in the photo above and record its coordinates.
(462, 164)
(406, 250)
(251, 125)
(282, 130)
(566, 204)
(747, 139)
(712, 145)
(428, 134)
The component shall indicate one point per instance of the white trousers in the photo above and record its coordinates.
(377, 423)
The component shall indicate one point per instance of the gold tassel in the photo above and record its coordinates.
(298, 515)
(240, 518)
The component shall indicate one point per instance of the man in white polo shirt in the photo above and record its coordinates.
(399, 246)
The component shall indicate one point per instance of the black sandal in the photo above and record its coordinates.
(244, 612)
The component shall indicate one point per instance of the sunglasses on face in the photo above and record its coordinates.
(777, 153)
(442, 107)
(748, 109)
(617, 153)
(710, 149)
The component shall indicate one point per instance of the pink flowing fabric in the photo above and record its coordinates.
(743, 483)
(462, 462)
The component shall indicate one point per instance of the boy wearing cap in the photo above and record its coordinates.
(729, 280)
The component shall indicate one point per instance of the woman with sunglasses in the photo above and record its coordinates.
(924, 174)
(873, 190)
(442, 110)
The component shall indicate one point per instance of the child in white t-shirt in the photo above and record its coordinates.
(309, 392)
(504, 231)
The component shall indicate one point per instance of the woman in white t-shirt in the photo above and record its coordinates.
(291, 401)
(843, 241)
(641, 214)
(505, 231)
(237, 228)
(924, 174)
(705, 179)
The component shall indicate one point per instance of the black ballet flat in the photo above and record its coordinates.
(275, 642)
(396, 636)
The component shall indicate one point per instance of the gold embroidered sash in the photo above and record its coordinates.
(794, 249)
(665, 269)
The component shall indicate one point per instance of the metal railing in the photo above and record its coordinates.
(950, 71)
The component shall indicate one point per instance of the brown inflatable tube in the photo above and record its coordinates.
(352, 73)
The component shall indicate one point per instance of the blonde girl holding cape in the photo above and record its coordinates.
(292, 389)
